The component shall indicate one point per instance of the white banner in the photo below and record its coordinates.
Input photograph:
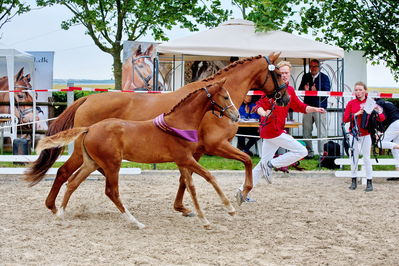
(43, 79)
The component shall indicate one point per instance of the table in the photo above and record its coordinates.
(255, 124)
(288, 124)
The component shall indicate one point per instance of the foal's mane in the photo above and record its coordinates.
(185, 98)
(232, 65)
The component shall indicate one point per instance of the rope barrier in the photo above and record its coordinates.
(258, 137)
(30, 123)
(298, 93)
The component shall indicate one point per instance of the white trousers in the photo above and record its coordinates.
(362, 146)
(391, 138)
(296, 151)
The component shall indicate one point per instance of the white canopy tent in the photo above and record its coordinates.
(13, 59)
(238, 38)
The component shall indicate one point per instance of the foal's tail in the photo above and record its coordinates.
(47, 157)
(58, 140)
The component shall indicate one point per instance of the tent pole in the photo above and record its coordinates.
(11, 88)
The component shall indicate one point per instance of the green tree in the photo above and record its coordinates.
(11, 8)
(245, 5)
(367, 25)
(109, 22)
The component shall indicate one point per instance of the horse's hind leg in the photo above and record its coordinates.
(178, 204)
(63, 173)
(73, 183)
(112, 191)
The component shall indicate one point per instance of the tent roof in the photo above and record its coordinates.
(238, 38)
(18, 55)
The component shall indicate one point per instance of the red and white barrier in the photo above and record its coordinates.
(299, 93)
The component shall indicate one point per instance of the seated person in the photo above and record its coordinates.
(247, 113)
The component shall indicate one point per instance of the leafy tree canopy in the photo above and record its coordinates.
(367, 25)
(10, 8)
(109, 22)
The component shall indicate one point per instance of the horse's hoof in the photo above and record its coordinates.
(140, 226)
(207, 226)
(232, 213)
(60, 213)
(188, 214)
(239, 198)
(54, 210)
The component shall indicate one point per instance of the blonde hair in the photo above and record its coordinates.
(360, 83)
(284, 63)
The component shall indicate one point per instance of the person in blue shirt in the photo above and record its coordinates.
(247, 113)
(314, 80)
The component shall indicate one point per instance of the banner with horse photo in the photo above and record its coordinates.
(20, 117)
(140, 67)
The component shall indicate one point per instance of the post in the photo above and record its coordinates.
(69, 103)
(155, 75)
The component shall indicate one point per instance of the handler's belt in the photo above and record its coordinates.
(189, 135)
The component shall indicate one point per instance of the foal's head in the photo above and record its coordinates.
(221, 101)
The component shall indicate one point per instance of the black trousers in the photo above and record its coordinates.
(246, 143)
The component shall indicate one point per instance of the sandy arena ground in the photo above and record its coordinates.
(299, 220)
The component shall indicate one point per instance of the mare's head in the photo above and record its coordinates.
(272, 84)
(21, 82)
(138, 71)
(221, 101)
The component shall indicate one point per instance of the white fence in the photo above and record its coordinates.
(51, 171)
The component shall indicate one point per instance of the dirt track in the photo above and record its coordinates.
(297, 220)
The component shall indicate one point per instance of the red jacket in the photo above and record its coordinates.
(353, 107)
(273, 126)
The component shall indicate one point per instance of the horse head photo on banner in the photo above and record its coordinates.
(22, 94)
(138, 69)
(204, 69)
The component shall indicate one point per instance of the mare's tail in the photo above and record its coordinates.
(47, 157)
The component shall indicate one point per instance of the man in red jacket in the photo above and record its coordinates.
(272, 123)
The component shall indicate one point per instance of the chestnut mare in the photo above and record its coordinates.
(106, 143)
(214, 134)
(137, 71)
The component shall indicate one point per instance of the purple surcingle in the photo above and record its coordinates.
(189, 135)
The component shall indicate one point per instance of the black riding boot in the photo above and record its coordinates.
(354, 183)
(369, 186)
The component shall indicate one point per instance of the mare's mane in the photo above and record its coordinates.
(184, 99)
(230, 66)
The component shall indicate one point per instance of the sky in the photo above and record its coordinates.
(76, 55)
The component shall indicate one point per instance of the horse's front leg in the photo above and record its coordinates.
(198, 169)
(226, 150)
(184, 174)
(191, 189)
